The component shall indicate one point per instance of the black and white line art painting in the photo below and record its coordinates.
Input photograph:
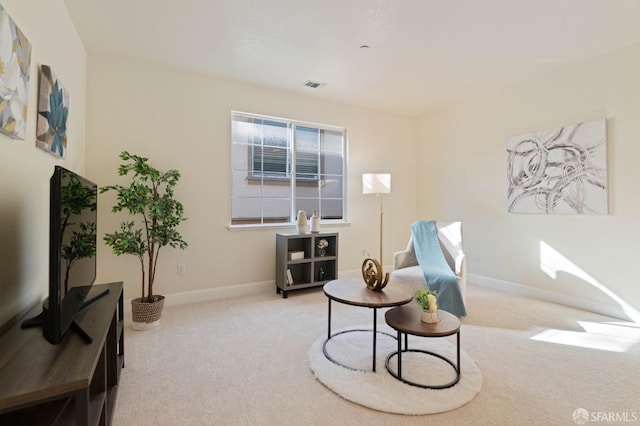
(559, 171)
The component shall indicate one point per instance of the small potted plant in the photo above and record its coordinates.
(426, 299)
(150, 197)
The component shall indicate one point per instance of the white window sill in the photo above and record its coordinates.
(283, 225)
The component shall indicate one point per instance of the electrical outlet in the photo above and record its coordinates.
(477, 258)
(181, 269)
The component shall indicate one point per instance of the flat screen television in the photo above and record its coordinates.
(73, 222)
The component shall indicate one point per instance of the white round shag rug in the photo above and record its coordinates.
(380, 390)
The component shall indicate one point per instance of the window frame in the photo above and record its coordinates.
(299, 181)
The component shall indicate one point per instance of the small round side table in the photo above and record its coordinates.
(406, 319)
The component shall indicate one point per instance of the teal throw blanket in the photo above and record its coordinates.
(437, 272)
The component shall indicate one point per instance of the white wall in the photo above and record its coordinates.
(182, 120)
(24, 169)
(465, 177)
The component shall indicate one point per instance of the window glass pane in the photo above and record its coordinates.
(240, 154)
(308, 189)
(262, 153)
(308, 205)
(246, 210)
(306, 165)
(276, 134)
(279, 186)
(331, 209)
(331, 163)
(331, 186)
(307, 138)
(270, 161)
(241, 187)
(243, 130)
(331, 141)
(276, 209)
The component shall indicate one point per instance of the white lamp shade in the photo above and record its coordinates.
(376, 183)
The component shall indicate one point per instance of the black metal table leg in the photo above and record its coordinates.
(458, 355)
(375, 332)
(329, 322)
(400, 351)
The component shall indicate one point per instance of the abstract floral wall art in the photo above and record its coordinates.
(15, 62)
(53, 109)
(561, 170)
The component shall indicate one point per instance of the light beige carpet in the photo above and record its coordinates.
(245, 361)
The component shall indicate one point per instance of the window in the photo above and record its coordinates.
(282, 166)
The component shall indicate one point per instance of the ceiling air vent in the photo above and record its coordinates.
(314, 84)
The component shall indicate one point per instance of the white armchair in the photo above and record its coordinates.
(405, 265)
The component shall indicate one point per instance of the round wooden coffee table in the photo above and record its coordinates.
(355, 292)
(406, 319)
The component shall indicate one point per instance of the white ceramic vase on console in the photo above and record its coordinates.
(315, 222)
(301, 225)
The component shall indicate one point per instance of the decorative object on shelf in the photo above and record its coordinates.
(559, 171)
(321, 274)
(426, 299)
(150, 195)
(377, 183)
(315, 222)
(373, 275)
(322, 245)
(301, 224)
(53, 109)
(15, 57)
(296, 255)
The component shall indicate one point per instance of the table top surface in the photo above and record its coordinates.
(407, 320)
(355, 292)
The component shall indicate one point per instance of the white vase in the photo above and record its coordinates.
(315, 222)
(429, 317)
(301, 225)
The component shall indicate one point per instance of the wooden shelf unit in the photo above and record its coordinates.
(73, 383)
(305, 271)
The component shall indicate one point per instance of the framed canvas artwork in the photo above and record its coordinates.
(561, 171)
(53, 110)
(15, 61)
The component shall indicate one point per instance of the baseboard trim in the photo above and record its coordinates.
(603, 308)
(215, 293)
(264, 287)
(237, 290)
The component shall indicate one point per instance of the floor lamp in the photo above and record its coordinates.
(377, 183)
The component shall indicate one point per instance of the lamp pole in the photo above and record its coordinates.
(381, 215)
(379, 184)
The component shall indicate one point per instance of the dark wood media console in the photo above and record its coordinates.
(73, 383)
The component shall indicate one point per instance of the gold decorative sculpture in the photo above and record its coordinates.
(372, 275)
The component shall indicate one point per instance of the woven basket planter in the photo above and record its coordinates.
(146, 315)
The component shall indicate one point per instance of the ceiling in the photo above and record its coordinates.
(422, 54)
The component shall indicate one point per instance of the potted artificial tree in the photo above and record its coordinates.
(149, 196)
